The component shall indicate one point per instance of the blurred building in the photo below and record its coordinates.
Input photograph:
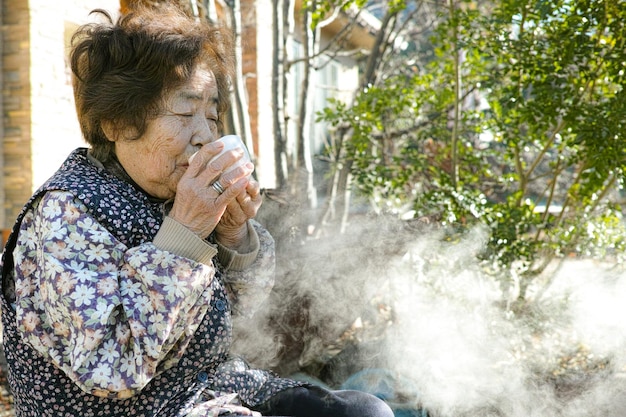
(336, 75)
(39, 126)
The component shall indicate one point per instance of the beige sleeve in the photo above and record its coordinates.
(176, 238)
(233, 260)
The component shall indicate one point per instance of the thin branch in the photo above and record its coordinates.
(545, 148)
(331, 19)
(338, 39)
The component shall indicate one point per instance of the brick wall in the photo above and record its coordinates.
(259, 54)
(16, 161)
(248, 46)
(39, 120)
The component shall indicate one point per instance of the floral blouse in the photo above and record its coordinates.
(116, 318)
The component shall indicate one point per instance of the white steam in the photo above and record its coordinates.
(470, 356)
(452, 338)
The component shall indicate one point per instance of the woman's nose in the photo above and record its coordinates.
(204, 133)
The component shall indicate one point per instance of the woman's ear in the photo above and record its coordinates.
(114, 132)
(110, 131)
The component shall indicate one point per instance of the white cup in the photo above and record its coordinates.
(233, 142)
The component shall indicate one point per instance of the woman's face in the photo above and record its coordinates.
(157, 160)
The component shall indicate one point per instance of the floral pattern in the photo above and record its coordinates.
(102, 322)
(106, 314)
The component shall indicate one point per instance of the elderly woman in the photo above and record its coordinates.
(123, 270)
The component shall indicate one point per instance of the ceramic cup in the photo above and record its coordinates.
(232, 142)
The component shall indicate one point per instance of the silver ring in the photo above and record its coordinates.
(218, 187)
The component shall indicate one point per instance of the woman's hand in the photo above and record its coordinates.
(232, 229)
(200, 206)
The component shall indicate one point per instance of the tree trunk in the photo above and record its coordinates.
(278, 88)
(338, 199)
(211, 10)
(302, 184)
(240, 100)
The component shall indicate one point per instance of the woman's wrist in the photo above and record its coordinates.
(241, 258)
(176, 238)
(236, 240)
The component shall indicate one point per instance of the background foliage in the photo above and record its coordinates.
(515, 122)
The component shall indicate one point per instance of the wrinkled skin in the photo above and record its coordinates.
(159, 162)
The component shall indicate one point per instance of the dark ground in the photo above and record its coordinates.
(6, 399)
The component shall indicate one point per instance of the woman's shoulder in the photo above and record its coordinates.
(53, 202)
(78, 172)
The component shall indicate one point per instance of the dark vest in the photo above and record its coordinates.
(41, 389)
